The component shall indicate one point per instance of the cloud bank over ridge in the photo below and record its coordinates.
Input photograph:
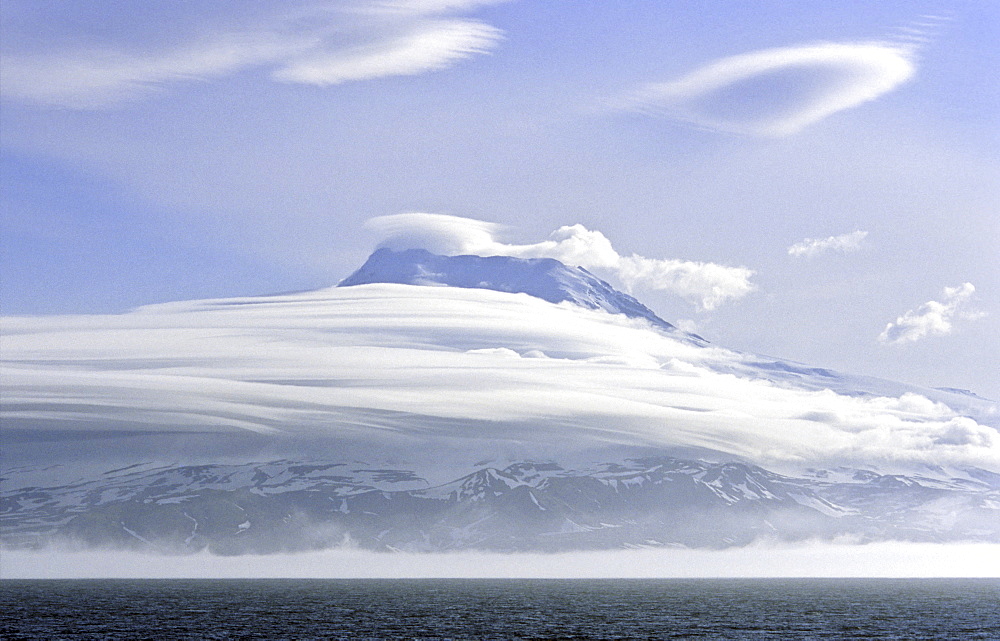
(707, 285)
(462, 370)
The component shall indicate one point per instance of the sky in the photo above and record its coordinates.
(816, 181)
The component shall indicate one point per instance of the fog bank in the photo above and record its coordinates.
(845, 559)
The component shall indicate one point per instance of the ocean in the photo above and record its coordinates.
(960, 609)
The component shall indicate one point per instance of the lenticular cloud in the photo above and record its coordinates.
(706, 285)
(425, 370)
(777, 92)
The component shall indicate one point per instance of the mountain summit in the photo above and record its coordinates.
(544, 278)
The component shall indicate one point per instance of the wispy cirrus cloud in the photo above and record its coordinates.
(433, 46)
(322, 43)
(707, 285)
(780, 91)
(104, 77)
(843, 243)
(933, 318)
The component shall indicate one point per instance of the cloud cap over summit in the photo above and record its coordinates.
(704, 284)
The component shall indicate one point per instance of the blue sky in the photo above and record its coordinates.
(156, 151)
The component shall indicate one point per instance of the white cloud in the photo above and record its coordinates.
(434, 6)
(437, 233)
(777, 92)
(921, 30)
(844, 243)
(431, 46)
(418, 371)
(707, 285)
(688, 325)
(315, 43)
(99, 78)
(933, 318)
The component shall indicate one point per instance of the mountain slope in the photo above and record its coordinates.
(544, 278)
(527, 506)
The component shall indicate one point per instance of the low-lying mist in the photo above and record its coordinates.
(812, 559)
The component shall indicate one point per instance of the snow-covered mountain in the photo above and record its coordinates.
(528, 506)
(501, 404)
(544, 278)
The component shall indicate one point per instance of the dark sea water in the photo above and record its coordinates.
(961, 609)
